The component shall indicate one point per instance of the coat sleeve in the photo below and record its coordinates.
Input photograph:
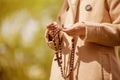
(107, 34)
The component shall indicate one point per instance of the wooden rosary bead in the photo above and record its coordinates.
(59, 55)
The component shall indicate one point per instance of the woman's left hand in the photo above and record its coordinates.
(78, 29)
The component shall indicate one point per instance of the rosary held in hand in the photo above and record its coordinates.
(58, 53)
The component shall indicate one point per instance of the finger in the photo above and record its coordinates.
(55, 25)
(70, 32)
(67, 30)
(52, 25)
(49, 26)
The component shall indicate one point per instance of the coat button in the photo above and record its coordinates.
(88, 7)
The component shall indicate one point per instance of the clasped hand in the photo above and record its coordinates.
(77, 29)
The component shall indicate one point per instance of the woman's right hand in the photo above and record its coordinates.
(49, 31)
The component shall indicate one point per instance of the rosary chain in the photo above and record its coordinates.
(58, 54)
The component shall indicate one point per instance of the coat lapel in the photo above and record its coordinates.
(61, 12)
(72, 7)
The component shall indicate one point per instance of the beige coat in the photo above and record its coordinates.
(96, 54)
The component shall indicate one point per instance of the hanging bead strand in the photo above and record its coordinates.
(58, 53)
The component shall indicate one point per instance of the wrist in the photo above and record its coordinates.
(83, 31)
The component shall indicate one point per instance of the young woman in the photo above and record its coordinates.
(85, 38)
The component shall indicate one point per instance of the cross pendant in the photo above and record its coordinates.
(58, 59)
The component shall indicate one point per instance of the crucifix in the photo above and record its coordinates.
(58, 59)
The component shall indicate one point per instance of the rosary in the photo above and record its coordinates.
(58, 53)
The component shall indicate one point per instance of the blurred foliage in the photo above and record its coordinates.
(7, 7)
(24, 54)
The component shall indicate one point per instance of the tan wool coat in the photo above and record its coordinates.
(96, 55)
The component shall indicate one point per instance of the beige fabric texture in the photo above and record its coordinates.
(96, 54)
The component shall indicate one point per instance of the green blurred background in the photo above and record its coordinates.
(24, 54)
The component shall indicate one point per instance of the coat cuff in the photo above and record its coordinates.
(90, 31)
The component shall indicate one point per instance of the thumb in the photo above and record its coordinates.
(65, 30)
(68, 31)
